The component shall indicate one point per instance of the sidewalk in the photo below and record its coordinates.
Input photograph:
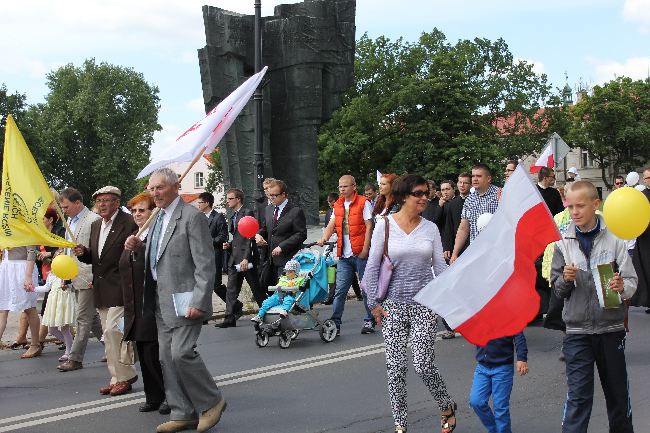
(218, 306)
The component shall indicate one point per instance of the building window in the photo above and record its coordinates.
(198, 179)
(587, 159)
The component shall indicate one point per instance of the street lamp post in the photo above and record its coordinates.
(259, 136)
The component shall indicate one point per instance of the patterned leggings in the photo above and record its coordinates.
(417, 324)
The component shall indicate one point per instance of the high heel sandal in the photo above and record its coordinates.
(19, 345)
(33, 351)
(448, 420)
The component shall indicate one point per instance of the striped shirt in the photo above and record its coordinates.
(413, 256)
(476, 205)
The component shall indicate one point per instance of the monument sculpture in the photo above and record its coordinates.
(309, 49)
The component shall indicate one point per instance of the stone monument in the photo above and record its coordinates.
(309, 49)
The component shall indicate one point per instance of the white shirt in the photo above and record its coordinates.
(169, 210)
(281, 207)
(103, 232)
(367, 216)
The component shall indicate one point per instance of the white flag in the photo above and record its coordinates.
(207, 132)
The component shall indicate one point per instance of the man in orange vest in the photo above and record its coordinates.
(352, 220)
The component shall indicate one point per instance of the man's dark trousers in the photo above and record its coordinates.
(607, 351)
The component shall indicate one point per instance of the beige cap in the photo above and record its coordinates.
(108, 190)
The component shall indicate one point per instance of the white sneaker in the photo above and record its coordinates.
(256, 319)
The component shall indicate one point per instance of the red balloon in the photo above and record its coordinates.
(248, 227)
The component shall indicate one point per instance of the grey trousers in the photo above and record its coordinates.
(87, 322)
(189, 387)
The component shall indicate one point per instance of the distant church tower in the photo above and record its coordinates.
(567, 93)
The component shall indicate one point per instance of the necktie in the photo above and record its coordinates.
(155, 238)
(233, 221)
(275, 215)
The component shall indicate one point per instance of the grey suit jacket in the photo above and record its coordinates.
(82, 234)
(185, 264)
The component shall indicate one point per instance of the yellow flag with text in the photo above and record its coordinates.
(25, 196)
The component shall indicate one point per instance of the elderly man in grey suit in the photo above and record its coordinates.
(180, 270)
(80, 220)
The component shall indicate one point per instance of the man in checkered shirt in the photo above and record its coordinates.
(484, 199)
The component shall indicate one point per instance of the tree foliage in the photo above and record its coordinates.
(215, 177)
(433, 108)
(13, 104)
(613, 124)
(95, 127)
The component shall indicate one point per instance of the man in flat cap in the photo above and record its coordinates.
(107, 237)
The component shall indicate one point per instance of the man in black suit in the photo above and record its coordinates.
(283, 229)
(241, 254)
(219, 233)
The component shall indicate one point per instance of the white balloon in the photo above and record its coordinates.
(640, 187)
(483, 221)
(632, 178)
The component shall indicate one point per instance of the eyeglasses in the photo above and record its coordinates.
(104, 200)
(419, 193)
(509, 170)
(619, 183)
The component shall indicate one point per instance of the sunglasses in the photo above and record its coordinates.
(419, 193)
(619, 183)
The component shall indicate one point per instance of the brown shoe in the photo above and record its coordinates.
(120, 388)
(106, 390)
(33, 351)
(175, 426)
(70, 365)
(211, 417)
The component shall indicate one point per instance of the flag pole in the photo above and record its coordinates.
(180, 179)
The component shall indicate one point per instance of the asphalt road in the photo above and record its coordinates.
(310, 387)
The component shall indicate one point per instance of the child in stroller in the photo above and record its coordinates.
(282, 297)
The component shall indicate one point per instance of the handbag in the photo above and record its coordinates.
(385, 270)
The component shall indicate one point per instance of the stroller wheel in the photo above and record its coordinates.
(285, 340)
(261, 339)
(295, 333)
(327, 331)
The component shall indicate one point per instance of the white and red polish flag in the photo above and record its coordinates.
(204, 135)
(489, 292)
(546, 159)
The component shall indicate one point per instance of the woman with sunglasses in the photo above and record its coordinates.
(140, 325)
(414, 248)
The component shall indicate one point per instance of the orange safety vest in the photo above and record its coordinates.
(356, 224)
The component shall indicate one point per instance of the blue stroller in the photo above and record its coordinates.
(302, 316)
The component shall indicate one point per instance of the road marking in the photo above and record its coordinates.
(81, 409)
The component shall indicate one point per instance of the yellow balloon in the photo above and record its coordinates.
(65, 267)
(627, 213)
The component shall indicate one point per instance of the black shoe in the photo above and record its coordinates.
(359, 298)
(226, 324)
(164, 409)
(239, 310)
(149, 407)
(647, 310)
(328, 301)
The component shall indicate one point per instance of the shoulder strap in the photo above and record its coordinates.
(387, 229)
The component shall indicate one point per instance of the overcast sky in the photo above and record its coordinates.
(593, 41)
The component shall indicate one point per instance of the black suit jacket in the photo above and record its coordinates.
(240, 247)
(289, 233)
(452, 222)
(219, 232)
(107, 286)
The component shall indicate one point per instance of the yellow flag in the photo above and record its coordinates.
(25, 196)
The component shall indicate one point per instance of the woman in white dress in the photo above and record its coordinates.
(18, 278)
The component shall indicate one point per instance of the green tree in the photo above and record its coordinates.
(95, 127)
(215, 176)
(13, 104)
(433, 108)
(613, 124)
